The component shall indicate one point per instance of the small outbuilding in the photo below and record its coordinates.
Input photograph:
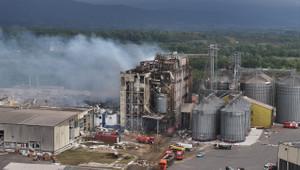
(262, 115)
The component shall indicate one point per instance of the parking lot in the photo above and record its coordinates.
(249, 157)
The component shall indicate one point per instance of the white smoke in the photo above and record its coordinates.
(80, 62)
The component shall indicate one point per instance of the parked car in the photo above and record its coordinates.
(222, 146)
(270, 166)
(200, 155)
(290, 124)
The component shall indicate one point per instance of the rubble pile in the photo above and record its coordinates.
(185, 135)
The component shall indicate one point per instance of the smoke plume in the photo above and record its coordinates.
(79, 62)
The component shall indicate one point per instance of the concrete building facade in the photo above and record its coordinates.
(157, 89)
(289, 156)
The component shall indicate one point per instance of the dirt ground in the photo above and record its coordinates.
(81, 156)
(150, 152)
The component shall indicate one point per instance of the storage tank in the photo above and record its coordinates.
(205, 118)
(260, 87)
(246, 106)
(288, 99)
(233, 120)
(161, 103)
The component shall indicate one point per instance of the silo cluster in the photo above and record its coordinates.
(235, 121)
(260, 87)
(288, 99)
(205, 118)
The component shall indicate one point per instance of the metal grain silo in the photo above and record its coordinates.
(233, 123)
(288, 99)
(205, 118)
(161, 103)
(246, 107)
(260, 87)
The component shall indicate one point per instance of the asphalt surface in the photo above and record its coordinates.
(252, 157)
(13, 157)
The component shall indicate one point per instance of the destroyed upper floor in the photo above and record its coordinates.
(162, 62)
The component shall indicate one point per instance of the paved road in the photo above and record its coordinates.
(249, 157)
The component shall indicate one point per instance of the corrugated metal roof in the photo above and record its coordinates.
(293, 80)
(39, 117)
(258, 102)
(238, 104)
(259, 78)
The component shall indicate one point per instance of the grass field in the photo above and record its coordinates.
(80, 156)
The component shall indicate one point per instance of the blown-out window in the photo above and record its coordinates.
(34, 145)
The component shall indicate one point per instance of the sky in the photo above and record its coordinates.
(188, 4)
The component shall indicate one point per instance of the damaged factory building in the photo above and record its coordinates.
(151, 95)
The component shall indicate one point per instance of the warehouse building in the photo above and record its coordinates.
(289, 156)
(45, 130)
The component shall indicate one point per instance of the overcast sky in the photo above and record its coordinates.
(158, 4)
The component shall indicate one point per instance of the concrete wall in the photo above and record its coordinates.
(61, 135)
(139, 86)
(27, 133)
(111, 119)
